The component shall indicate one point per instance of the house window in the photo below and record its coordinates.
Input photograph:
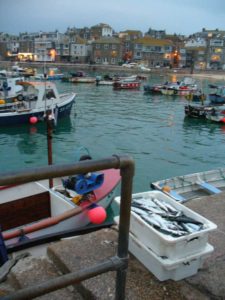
(106, 46)
(218, 50)
(97, 46)
(113, 61)
(113, 46)
(138, 54)
(138, 46)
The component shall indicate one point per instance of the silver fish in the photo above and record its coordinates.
(160, 204)
(152, 220)
(139, 211)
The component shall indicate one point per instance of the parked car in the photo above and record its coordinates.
(130, 65)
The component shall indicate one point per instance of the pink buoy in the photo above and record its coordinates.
(33, 120)
(97, 215)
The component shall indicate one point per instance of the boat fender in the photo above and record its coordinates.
(166, 188)
(20, 97)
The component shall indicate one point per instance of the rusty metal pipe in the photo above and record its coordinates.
(54, 171)
(127, 173)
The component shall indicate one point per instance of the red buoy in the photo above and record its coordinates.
(97, 215)
(33, 120)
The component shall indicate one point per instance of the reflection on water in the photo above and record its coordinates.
(152, 129)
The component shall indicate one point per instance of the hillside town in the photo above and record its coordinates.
(100, 44)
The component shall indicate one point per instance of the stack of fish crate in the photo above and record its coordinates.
(166, 255)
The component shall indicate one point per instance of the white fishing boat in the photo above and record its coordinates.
(85, 79)
(35, 100)
(191, 186)
(180, 88)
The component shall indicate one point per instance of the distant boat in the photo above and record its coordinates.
(56, 76)
(181, 88)
(218, 95)
(211, 112)
(153, 89)
(82, 79)
(10, 90)
(127, 83)
(25, 72)
(37, 99)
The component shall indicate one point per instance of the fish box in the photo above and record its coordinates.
(166, 245)
(165, 269)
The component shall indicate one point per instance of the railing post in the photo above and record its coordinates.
(127, 173)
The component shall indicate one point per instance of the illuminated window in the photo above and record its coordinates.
(215, 58)
(218, 50)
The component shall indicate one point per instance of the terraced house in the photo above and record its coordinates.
(106, 50)
(154, 52)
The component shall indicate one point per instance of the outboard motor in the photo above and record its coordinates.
(84, 183)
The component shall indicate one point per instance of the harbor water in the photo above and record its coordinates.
(150, 128)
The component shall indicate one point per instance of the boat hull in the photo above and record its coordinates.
(53, 220)
(23, 117)
(216, 99)
(191, 186)
(198, 111)
(126, 85)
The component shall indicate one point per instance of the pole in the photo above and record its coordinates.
(49, 122)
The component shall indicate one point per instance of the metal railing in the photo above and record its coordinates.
(117, 263)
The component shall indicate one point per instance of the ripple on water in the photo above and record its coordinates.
(152, 129)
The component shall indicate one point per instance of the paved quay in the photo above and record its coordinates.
(71, 255)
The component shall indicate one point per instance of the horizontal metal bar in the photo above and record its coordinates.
(111, 264)
(53, 171)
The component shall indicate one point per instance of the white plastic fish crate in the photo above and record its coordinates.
(165, 269)
(166, 245)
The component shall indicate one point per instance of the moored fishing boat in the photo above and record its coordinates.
(36, 98)
(191, 186)
(56, 76)
(153, 89)
(126, 84)
(180, 88)
(10, 89)
(209, 112)
(85, 79)
(217, 96)
(34, 210)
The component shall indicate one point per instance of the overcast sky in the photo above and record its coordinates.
(174, 16)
